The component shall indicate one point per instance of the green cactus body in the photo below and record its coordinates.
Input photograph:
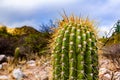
(88, 59)
(75, 53)
(57, 56)
(17, 53)
(72, 54)
(80, 55)
(94, 58)
(65, 55)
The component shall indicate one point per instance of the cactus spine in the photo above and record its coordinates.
(75, 52)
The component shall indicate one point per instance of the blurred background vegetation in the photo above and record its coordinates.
(32, 42)
(29, 40)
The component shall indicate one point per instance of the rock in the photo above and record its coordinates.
(105, 74)
(112, 49)
(103, 71)
(4, 77)
(104, 63)
(31, 63)
(116, 76)
(5, 64)
(43, 75)
(3, 58)
(1, 66)
(108, 64)
(108, 76)
(18, 74)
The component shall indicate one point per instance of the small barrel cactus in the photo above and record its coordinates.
(17, 53)
(74, 50)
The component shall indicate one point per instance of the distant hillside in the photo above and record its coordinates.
(22, 30)
(114, 39)
(28, 39)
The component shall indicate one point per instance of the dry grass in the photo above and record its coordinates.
(22, 64)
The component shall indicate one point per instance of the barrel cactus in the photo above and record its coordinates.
(17, 53)
(74, 50)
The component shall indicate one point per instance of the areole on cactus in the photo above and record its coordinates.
(74, 50)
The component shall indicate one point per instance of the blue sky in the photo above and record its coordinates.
(16, 13)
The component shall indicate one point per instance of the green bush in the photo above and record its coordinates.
(3, 29)
(35, 42)
(7, 45)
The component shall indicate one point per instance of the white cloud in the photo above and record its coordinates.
(22, 23)
(11, 10)
(106, 12)
(112, 6)
(106, 30)
(30, 5)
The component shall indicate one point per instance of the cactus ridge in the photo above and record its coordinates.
(75, 53)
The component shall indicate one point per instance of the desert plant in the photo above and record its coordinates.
(35, 42)
(17, 53)
(74, 50)
(3, 29)
(115, 37)
(117, 28)
(7, 45)
(46, 29)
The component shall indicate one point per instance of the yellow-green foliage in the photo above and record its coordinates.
(22, 30)
(3, 29)
(114, 39)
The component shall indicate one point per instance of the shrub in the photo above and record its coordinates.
(3, 29)
(35, 42)
(7, 45)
